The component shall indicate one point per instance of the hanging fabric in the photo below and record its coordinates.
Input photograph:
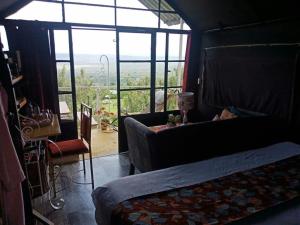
(186, 65)
(11, 173)
(32, 40)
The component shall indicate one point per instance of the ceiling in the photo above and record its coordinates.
(210, 14)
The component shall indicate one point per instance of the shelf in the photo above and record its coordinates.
(16, 79)
(21, 102)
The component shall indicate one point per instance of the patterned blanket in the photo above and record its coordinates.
(219, 201)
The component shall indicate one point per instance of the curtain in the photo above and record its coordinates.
(32, 40)
(186, 65)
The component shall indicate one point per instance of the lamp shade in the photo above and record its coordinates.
(186, 101)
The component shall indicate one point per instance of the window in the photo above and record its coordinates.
(151, 38)
(64, 74)
(41, 11)
(3, 38)
(102, 12)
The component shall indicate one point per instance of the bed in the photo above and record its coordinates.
(114, 200)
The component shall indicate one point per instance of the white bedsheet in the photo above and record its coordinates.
(107, 196)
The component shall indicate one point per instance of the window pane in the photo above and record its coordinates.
(135, 75)
(3, 38)
(63, 76)
(66, 107)
(175, 75)
(160, 74)
(177, 46)
(172, 98)
(41, 11)
(159, 100)
(145, 4)
(160, 46)
(99, 2)
(89, 14)
(95, 59)
(136, 18)
(61, 39)
(135, 102)
(135, 46)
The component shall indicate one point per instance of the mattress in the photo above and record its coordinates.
(108, 196)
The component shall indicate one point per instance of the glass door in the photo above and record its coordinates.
(135, 77)
(135, 72)
(96, 85)
(62, 48)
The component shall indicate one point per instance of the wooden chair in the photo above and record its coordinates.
(76, 146)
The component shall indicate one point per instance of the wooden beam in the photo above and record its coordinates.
(13, 8)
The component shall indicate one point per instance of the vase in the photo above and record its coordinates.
(104, 125)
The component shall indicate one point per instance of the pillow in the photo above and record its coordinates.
(226, 114)
(216, 118)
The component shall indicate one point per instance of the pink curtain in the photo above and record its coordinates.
(186, 65)
(11, 173)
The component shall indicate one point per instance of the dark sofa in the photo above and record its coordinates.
(149, 150)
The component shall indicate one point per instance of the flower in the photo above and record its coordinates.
(104, 115)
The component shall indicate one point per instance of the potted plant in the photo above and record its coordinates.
(104, 118)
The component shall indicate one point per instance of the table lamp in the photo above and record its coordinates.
(185, 103)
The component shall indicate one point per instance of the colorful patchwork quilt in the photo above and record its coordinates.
(219, 201)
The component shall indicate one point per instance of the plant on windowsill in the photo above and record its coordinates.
(173, 120)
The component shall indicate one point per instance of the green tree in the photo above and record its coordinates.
(85, 93)
(62, 80)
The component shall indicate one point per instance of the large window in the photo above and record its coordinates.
(154, 13)
(150, 58)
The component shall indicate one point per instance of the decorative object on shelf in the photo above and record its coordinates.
(42, 119)
(185, 103)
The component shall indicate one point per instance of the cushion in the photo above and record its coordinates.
(68, 147)
(226, 114)
(216, 118)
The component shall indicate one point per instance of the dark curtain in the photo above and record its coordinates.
(255, 78)
(37, 67)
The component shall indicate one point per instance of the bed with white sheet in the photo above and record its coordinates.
(108, 196)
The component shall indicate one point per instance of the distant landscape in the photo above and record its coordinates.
(92, 82)
(98, 71)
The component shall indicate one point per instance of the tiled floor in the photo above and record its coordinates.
(104, 142)
(79, 208)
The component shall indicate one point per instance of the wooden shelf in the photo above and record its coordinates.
(21, 102)
(16, 79)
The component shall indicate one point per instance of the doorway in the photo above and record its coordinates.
(94, 53)
(86, 73)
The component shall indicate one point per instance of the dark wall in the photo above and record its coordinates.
(280, 32)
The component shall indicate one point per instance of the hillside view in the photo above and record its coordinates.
(98, 88)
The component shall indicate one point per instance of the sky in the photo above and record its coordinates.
(101, 42)
(3, 38)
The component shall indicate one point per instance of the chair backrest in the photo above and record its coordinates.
(86, 123)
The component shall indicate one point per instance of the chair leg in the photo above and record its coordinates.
(92, 171)
(52, 178)
(83, 161)
(132, 169)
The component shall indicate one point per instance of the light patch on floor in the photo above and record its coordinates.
(104, 143)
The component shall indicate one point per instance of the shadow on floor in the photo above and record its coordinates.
(79, 208)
